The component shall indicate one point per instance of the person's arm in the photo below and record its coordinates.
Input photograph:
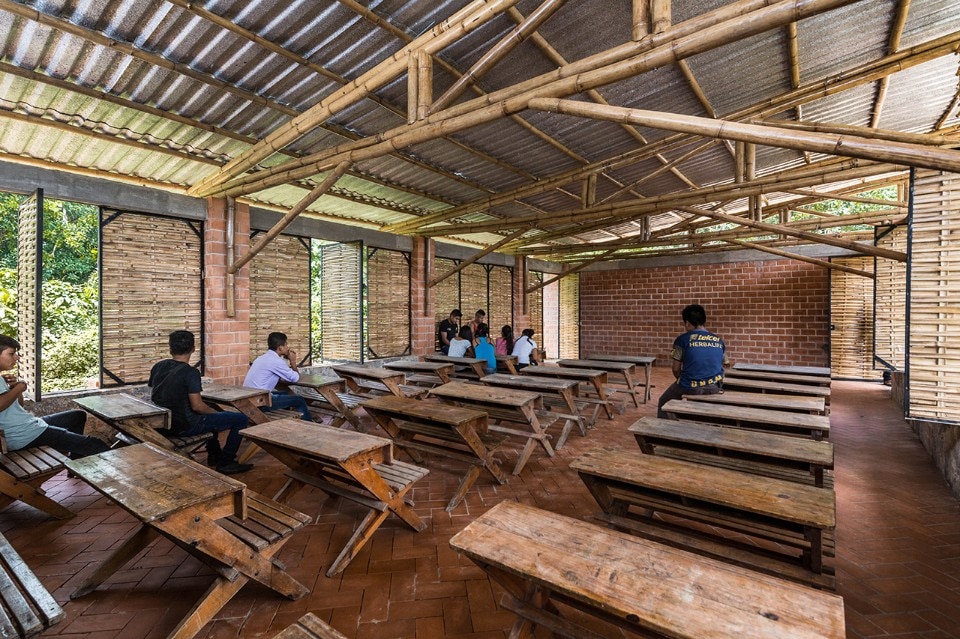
(198, 406)
(289, 373)
(15, 394)
(444, 335)
(677, 367)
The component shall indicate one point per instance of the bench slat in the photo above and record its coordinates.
(309, 626)
(28, 606)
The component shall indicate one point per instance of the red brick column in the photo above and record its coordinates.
(422, 324)
(226, 339)
(521, 319)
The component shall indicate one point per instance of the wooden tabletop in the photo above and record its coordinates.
(318, 440)
(736, 439)
(119, 406)
(598, 364)
(776, 368)
(311, 380)
(581, 374)
(477, 393)
(811, 380)
(463, 361)
(368, 372)
(228, 393)
(775, 418)
(787, 501)
(764, 400)
(773, 386)
(644, 584)
(427, 412)
(530, 382)
(419, 367)
(640, 360)
(152, 483)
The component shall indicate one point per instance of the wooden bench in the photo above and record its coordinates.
(472, 367)
(791, 403)
(810, 371)
(790, 378)
(309, 626)
(788, 525)
(428, 374)
(23, 471)
(548, 562)
(749, 385)
(559, 395)
(776, 421)
(27, 608)
(780, 456)
(440, 429)
(341, 407)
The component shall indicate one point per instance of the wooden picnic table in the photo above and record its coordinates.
(207, 514)
(247, 400)
(777, 421)
(785, 521)
(356, 466)
(639, 360)
(556, 393)
(476, 366)
(627, 370)
(792, 403)
(441, 429)
(519, 407)
(328, 393)
(816, 371)
(648, 588)
(596, 379)
(806, 380)
(363, 379)
(138, 420)
(508, 363)
(763, 453)
(749, 385)
(431, 373)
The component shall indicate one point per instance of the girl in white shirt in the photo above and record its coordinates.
(526, 349)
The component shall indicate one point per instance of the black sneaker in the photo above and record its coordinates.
(234, 468)
(213, 459)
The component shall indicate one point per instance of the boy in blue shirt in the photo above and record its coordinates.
(698, 357)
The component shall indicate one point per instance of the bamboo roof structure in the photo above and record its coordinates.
(570, 130)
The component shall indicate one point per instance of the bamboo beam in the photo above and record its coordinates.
(949, 110)
(848, 198)
(467, 262)
(567, 272)
(864, 74)
(903, 8)
(926, 139)
(498, 52)
(802, 258)
(413, 86)
(702, 97)
(472, 113)
(589, 197)
(641, 19)
(659, 170)
(473, 15)
(846, 145)
(291, 215)
(660, 15)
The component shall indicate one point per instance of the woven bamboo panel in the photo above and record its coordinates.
(446, 294)
(570, 317)
(934, 300)
(534, 303)
(341, 315)
(280, 294)
(851, 315)
(473, 291)
(890, 307)
(151, 276)
(388, 303)
(500, 311)
(29, 247)
(549, 340)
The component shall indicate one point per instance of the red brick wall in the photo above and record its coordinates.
(226, 339)
(766, 312)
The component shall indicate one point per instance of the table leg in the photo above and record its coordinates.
(334, 400)
(602, 394)
(632, 389)
(363, 533)
(648, 371)
(26, 492)
(119, 558)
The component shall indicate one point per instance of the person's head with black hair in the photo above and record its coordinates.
(182, 343)
(276, 340)
(466, 333)
(694, 315)
(528, 332)
(8, 342)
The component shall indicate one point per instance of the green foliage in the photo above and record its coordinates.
(8, 301)
(67, 362)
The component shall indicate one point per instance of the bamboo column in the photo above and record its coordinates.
(641, 19)
(589, 195)
(660, 15)
(750, 174)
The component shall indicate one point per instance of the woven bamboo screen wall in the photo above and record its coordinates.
(151, 274)
(570, 317)
(388, 303)
(534, 304)
(446, 294)
(851, 315)
(473, 291)
(890, 305)
(29, 252)
(280, 294)
(500, 311)
(341, 317)
(549, 340)
(934, 311)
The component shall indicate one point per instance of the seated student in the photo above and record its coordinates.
(61, 431)
(699, 358)
(461, 346)
(448, 330)
(176, 386)
(478, 327)
(484, 350)
(504, 343)
(526, 350)
(279, 362)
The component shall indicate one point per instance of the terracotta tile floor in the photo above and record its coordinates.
(898, 546)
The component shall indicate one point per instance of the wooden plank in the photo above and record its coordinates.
(795, 403)
(777, 368)
(813, 425)
(336, 444)
(772, 386)
(806, 380)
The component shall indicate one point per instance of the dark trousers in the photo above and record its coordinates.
(217, 422)
(65, 435)
(280, 401)
(675, 391)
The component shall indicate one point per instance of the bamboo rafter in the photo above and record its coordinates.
(467, 262)
(802, 258)
(893, 44)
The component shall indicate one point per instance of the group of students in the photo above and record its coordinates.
(473, 340)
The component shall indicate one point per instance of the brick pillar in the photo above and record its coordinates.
(422, 324)
(521, 319)
(227, 339)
